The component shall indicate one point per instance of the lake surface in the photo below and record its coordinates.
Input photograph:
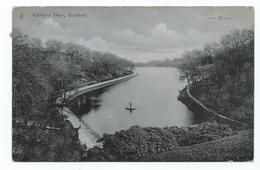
(153, 92)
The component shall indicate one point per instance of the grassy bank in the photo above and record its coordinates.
(233, 148)
(138, 144)
(221, 76)
(239, 106)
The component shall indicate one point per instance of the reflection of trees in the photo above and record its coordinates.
(85, 103)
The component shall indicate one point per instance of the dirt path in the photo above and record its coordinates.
(208, 109)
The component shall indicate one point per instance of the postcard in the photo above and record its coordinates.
(133, 84)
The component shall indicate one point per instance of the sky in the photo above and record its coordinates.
(136, 33)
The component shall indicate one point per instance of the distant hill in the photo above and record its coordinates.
(161, 63)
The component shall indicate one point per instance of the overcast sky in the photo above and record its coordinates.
(135, 33)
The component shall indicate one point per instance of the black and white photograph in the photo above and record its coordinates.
(133, 84)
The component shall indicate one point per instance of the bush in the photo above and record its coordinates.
(204, 132)
(137, 142)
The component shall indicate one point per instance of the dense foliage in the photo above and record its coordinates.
(221, 75)
(42, 72)
(239, 147)
(157, 63)
(135, 143)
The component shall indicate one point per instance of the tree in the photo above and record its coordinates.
(41, 74)
(54, 45)
(27, 91)
(35, 43)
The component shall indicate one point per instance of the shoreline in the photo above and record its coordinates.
(90, 141)
(195, 105)
(193, 136)
(70, 95)
(81, 124)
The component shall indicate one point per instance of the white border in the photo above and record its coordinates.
(6, 79)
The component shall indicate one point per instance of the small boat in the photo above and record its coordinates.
(130, 108)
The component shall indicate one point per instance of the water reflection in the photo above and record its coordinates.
(86, 102)
(153, 93)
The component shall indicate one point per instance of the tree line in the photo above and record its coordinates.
(224, 73)
(42, 72)
(234, 52)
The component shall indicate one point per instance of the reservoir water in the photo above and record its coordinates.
(153, 92)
